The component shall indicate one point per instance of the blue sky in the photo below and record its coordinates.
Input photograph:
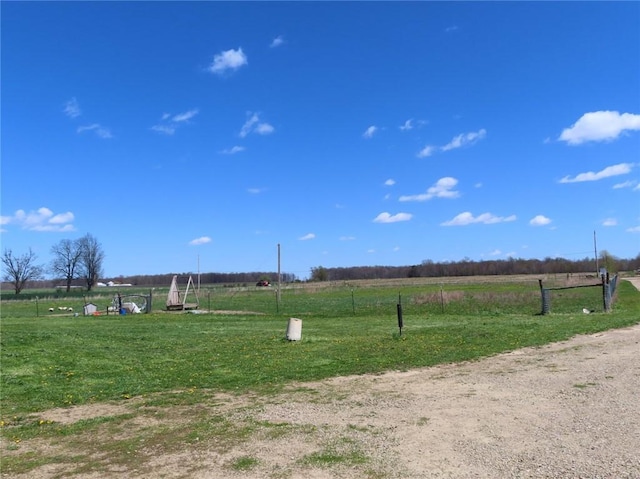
(369, 133)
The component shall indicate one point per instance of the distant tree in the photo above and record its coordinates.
(608, 261)
(65, 264)
(319, 273)
(20, 269)
(91, 258)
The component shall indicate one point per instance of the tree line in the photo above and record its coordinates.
(79, 263)
(467, 267)
(72, 260)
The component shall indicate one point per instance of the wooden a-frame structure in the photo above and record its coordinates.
(176, 300)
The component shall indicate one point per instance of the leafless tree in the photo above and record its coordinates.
(91, 258)
(66, 260)
(20, 269)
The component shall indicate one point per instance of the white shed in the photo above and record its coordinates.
(89, 309)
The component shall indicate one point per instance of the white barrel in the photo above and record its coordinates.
(294, 329)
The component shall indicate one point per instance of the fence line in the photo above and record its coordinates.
(607, 284)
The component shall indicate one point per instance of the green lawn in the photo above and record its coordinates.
(57, 361)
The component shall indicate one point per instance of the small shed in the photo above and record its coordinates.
(90, 309)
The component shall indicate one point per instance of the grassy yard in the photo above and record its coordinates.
(60, 360)
(168, 367)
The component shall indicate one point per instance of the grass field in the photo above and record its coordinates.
(59, 359)
(52, 360)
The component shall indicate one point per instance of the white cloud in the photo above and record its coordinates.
(442, 189)
(615, 170)
(308, 236)
(228, 60)
(62, 218)
(600, 126)
(43, 219)
(390, 182)
(72, 108)
(347, 238)
(199, 241)
(635, 229)
(264, 129)
(495, 252)
(450, 29)
(186, 116)
(169, 123)
(233, 150)
(625, 184)
(388, 218)
(539, 220)
(467, 218)
(369, 132)
(465, 139)
(256, 191)
(427, 151)
(276, 42)
(610, 222)
(99, 130)
(254, 125)
(408, 125)
(166, 129)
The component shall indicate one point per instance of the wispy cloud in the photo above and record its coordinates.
(347, 238)
(99, 130)
(228, 60)
(610, 222)
(465, 139)
(634, 229)
(72, 108)
(600, 126)
(614, 170)
(390, 182)
(43, 219)
(389, 218)
(233, 150)
(308, 236)
(164, 129)
(451, 29)
(255, 125)
(626, 184)
(408, 125)
(539, 220)
(256, 191)
(427, 151)
(444, 188)
(276, 42)
(169, 123)
(199, 241)
(369, 132)
(459, 141)
(186, 116)
(467, 218)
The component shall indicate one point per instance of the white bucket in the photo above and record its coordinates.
(294, 329)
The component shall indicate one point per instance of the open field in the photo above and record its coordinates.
(115, 396)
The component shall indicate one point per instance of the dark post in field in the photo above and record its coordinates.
(399, 307)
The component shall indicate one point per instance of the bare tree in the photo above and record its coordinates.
(20, 269)
(91, 258)
(66, 260)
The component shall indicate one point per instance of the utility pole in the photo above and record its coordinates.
(279, 277)
(595, 252)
